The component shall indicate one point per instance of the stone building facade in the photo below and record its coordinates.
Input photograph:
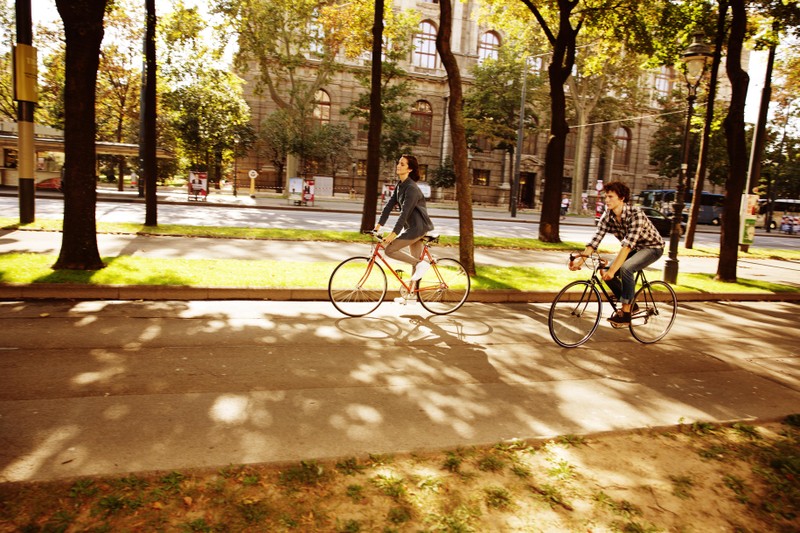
(491, 170)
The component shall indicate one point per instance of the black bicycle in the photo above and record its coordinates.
(576, 310)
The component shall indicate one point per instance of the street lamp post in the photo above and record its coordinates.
(696, 57)
(515, 179)
(235, 165)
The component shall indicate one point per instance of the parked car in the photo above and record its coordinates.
(662, 222)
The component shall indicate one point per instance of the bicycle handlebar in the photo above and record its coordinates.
(603, 263)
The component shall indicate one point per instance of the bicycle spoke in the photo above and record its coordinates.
(574, 314)
(444, 287)
(357, 287)
(657, 307)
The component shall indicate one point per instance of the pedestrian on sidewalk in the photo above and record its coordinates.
(641, 246)
(413, 221)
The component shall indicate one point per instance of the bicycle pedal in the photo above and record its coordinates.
(401, 301)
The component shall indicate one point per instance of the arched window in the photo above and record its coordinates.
(422, 121)
(488, 46)
(622, 148)
(322, 107)
(425, 46)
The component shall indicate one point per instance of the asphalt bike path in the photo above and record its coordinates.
(109, 387)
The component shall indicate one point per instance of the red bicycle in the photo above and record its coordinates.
(358, 285)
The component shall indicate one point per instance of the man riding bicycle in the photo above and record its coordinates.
(641, 246)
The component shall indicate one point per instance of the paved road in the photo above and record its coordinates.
(111, 387)
(338, 215)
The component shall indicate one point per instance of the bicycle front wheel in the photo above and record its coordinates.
(444, 287)
(574, 314)
(657, 307)
(357, 287)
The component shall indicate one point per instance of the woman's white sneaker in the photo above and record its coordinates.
(420, 270)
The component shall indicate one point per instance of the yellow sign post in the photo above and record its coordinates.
(252, 175)
(25, 73)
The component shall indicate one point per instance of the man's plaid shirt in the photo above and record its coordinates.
(634, 230)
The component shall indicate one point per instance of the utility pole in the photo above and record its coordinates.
(26, 95)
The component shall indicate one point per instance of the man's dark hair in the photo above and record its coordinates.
(620, 189)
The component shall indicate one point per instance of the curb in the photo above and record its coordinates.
(63, 291)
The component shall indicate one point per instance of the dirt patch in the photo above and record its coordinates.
(694, 478)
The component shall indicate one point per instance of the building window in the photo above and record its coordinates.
(322, 107)
(569, 148)
(663, 82)
(362, 135)
(423, 172)
(530, 139)
(622, 148)
(488, 46)
(425, 46)
(480, 176)
(536, 65)
(361, 168)
(483, 144)
(9, 158)
(422, 121)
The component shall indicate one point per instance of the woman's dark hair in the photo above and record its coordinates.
(413, 166)
(620, 189)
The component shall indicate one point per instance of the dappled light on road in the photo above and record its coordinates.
(125, 386)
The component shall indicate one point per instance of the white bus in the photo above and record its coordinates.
(778, 209)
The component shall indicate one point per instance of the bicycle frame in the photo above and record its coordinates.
(597, 281)
(638, 281)
(408, 287)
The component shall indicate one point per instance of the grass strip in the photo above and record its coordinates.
(28, 268)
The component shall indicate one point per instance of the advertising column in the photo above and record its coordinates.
(747, 220)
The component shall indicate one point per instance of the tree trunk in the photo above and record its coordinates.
(149, 113)
(375, 123)
(458, 132)
(700, 174)
(736, 144)
(83, 28)
(557, 72)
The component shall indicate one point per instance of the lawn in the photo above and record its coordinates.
(135, 270)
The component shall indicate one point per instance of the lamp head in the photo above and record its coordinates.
(696, 57)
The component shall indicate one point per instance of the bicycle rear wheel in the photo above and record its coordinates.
(356, 287)
(444, 287)
(574, 314)
(658, 306)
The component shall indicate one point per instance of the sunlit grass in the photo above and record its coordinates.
(134, 270)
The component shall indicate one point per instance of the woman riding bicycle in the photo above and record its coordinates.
(412, 223)
(641, 246)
